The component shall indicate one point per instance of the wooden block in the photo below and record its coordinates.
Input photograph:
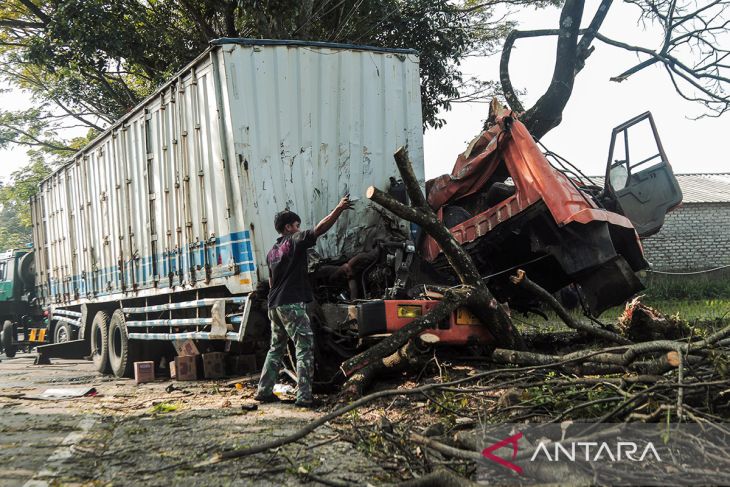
(214, 365)
(186, 348)
(186, 367)
(241, 364)
(144, 372)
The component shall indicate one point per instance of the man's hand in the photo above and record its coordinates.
(329, 220)
(344, 204)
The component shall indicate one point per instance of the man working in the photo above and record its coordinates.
(289, 293)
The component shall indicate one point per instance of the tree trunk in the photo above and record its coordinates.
(473, 293)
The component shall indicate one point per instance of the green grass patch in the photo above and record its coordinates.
(697, 311)
(687, 287)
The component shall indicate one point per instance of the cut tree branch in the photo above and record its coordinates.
(521, 280)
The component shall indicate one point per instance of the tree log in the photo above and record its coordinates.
(407, 357)
(521, 280)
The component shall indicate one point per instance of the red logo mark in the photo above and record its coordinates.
(512, 440)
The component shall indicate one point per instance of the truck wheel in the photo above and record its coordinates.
(99, 341)
(62, 333)
(8, 345)
(120, 357)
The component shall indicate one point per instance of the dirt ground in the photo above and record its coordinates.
(128, 434)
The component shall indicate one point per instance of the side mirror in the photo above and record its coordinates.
(618, 177)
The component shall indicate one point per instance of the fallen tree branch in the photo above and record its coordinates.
(481, 303)
(602, 361)
(243, 452)
(521, 280)
(439, 478)
(408, 356)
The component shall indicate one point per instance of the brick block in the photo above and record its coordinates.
(144, 372)
(186, 367)
(214, 365)
(241, 364)
(186, 347)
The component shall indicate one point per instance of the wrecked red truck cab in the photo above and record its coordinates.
(510, 208)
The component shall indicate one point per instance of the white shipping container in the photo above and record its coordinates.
(181, 193)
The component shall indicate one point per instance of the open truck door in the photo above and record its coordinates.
(639, 182)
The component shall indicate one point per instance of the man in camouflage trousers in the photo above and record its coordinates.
(288, 297)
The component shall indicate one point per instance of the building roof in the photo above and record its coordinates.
(698, 187)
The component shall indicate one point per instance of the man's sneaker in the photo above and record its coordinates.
(309, 404)
(265, 397)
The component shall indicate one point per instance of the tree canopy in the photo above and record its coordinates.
(91, 61)
(87, 62)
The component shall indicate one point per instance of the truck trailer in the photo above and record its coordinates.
(170, 211)
(157, 231)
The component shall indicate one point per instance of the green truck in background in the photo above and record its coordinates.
(20, 313)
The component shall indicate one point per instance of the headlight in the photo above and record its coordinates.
(405, 311)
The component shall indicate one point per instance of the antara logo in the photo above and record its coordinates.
(512, 440)
(592, 451)
(589, 451)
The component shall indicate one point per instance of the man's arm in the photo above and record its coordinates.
(328, 221)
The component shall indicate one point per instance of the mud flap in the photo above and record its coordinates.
(74, 349)
(609, 285)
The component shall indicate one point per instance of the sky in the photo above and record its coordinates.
(596, 106)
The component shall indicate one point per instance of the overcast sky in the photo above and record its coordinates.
(597, 105)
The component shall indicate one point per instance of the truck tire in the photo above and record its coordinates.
(62, 333)
(99, 342)
(8, 345)
(120, 358)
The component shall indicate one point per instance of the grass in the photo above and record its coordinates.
(694, 298)
(693, 311)
(691, 287)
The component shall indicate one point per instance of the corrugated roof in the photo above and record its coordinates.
(699, 187)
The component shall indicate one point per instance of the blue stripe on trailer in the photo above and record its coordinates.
(234, 248)
(195, 335)
(184, 305)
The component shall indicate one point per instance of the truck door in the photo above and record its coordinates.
(639, 182)
(6, 285)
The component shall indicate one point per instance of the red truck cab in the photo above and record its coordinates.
(510, 208)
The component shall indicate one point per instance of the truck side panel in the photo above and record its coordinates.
(180, 194)
(144, 209)
(311, 125)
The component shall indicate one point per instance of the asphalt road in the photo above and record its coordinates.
(128, 434)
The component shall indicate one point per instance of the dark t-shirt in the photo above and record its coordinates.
(288, 269)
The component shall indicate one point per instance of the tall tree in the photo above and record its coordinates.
(15, 220)
(694, 52)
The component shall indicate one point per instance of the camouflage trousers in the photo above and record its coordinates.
(289, 321)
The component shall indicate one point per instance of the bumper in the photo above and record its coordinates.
(387, 316)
